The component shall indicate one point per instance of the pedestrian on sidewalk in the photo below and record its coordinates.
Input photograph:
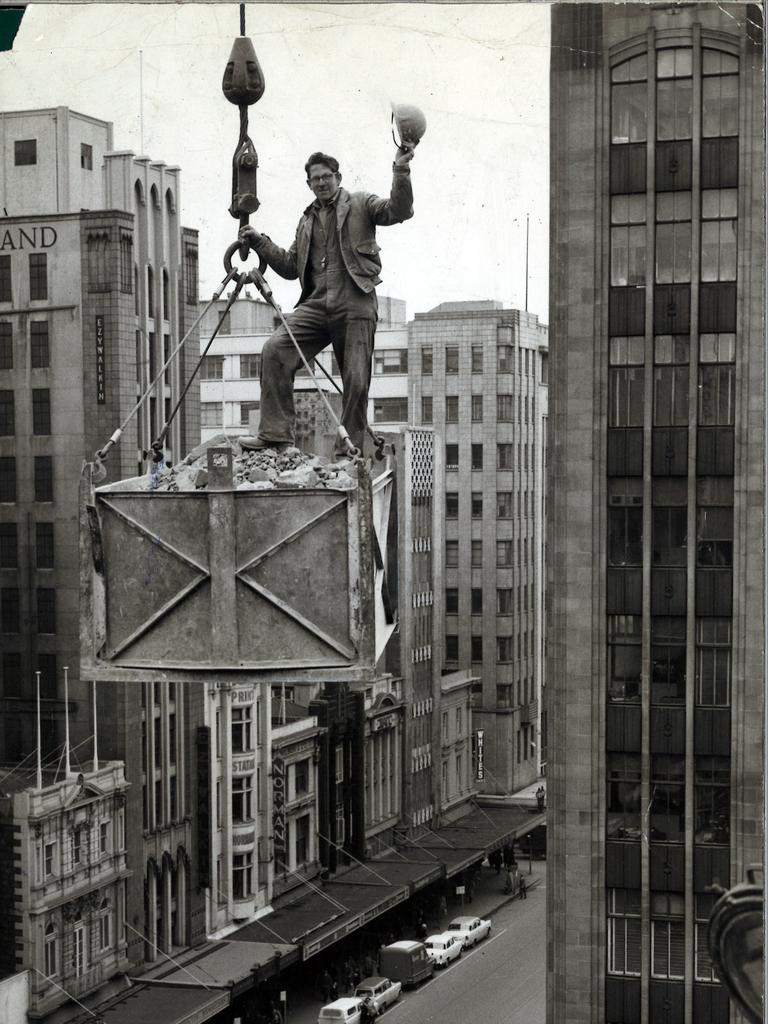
(523, 889)
(325, 986)
(507, 881)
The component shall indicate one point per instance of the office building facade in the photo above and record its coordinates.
(97, 281)
(656, 529)
(477, 377)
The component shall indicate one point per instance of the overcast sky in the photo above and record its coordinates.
(479, 72)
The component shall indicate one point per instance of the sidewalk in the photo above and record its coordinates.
(488, 897)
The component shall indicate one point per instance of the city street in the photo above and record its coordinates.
(500, 981)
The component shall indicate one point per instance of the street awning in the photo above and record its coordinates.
(463, 842)
(321, 913)
(171, 1004)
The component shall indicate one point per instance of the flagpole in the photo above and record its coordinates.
(67, 765)
(39, 741)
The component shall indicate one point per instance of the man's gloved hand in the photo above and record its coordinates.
(404, 156)
(249, 235)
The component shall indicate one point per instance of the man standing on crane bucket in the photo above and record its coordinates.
(336, 259)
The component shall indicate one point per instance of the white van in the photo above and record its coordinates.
(341, 1011)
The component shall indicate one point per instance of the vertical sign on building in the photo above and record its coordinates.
(278, 812)
(204, 806)
(480, 755)
(101, 376)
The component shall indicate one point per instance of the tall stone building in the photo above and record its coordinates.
(476, 375)
(98, 280)
(656, 524)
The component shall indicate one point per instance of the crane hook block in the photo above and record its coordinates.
(243, 82)
(245, 164)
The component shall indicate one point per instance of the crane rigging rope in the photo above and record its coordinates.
(242, 85)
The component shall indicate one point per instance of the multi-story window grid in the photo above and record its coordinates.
(6, 345)
(704, 971)
(713, 662)
(695, 98)
(10, 610)
(476, 453)
(505, 408)
(452, 409)
(667, 935)
(451, 456)
(250, 366)
(246, 408)
(390, 410)
(505, 454)
(477, 408)
(477, 360)
(242, 794)
(452, 359)
(9, 551)
(43, 478)
(426, 408)
(7, 478)
(241, 729)
(6, 288)
(126, 263)
(712, 800)
(624, 944)
(452, 505)
(212, 368)
(242, 875)
(211, 414)
(7, 413)
(389, 361)
(39, 345)
(190, 275)
(44, 551)
(41, 411)
(38, 275)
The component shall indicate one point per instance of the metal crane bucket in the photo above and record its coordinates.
(277, 585)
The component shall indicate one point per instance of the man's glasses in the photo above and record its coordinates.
(321, 179)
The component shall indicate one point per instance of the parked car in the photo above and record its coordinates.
(406, 962)
(341, 1011)
(469, 929)
(381, 991)
(443, 948)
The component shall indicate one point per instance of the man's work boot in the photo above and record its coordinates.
(256, 444)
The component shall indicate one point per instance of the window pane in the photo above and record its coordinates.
(673, 252)
(673, 206)
(720, 106)
(674, 109)
(719, 203)
(628, 114)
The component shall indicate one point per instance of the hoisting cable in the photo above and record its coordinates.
(102, 453)
(243, 85)
(157, 445)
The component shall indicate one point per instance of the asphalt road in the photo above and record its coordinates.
(500, 981)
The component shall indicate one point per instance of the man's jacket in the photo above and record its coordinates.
(357, 216)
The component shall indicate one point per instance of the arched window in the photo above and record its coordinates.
(51, 950)
(138, 191)
(166, 296)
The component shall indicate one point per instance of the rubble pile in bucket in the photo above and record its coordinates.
(261, 470)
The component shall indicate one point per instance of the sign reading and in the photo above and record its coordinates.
(101, 373)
